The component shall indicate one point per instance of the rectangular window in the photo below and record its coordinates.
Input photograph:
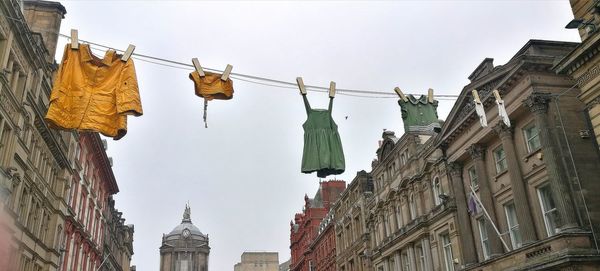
(473, 177)
(513, 225)
(485, 242)
(532, 137)
(421, 256)
(447, 247)
(405, 262)
(500, 158)
(548, 209)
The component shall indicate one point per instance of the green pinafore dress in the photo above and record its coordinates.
(323, 151)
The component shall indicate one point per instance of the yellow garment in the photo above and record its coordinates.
(93, 94)
(211, 86)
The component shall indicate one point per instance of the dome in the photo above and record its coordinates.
(186, 229)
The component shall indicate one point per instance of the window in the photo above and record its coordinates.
(412, 206)
(448, 257)
(403, 159)
(532, 137)
(513, 225)
(548, 209)
(500, 158)
(405, 262)
(473, 177)
(421, 258)
(485, 242)
(437, 191)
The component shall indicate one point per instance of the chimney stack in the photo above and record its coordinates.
(45, 17)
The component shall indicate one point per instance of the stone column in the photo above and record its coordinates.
(462, 215)
(397, 261)
(427, 250)
(485, 194)
(561, 191)
(518, 185)
(411, 257)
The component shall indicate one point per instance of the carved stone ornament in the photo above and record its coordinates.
(455, 168)
(502, 130)
(476, 151)
(537, 102)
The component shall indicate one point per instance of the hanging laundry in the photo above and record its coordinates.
(323, 151)
(211, 86)
(419, 115)
(93, 94)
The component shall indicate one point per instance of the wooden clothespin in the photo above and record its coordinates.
(301, 85)
(476, 96)
(198, 67)
(399, 92)
(226, 72)
(332, 89)
(128, 52)
(497, 95)
(74, 39)
(430, 95)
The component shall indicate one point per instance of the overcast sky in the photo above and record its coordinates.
(242, 174)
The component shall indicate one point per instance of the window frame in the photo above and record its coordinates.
(500, 160)
(447, 248)
(485, 242)
(473, 181)
(514, 231)
(528, 139)
(546, 214)
(437, 190)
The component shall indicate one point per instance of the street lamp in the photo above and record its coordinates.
(579, 23)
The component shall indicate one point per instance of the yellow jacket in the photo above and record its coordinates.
(93, 94)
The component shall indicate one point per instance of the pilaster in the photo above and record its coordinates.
(464, 220)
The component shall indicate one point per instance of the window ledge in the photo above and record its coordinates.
(531, 154)
(500, 174)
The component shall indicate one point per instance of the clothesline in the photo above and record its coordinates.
(257, 79)
(250, 78)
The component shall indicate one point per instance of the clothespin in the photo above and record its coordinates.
(198, 67)
(301, 85)
(226, 72)
(476, 96)
(128, 52)
(497, 95)
(332, 89)
(399, 92)
(430, 95)
(74, 39)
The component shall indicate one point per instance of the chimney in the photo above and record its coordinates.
(45, 17)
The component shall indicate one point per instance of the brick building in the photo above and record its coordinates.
(323, 247)
(305, 226)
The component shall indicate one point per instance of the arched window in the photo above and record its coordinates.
(412, 204)
(437, 190)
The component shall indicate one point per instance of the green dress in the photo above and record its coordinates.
(323, 151)
(419, 115)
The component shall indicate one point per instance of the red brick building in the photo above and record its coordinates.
(88, 200)
(307, 234)
(323, 247)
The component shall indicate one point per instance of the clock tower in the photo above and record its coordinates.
(185, 248)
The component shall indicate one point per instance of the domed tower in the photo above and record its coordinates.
(185, 248)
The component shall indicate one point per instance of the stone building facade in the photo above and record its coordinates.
(583, 63)
(258, 261)
(35, 159)
(533, 178)
(58, 183)
(117, 241)
(185, 248)
(411, 215)
(352, 235)
(305, 227)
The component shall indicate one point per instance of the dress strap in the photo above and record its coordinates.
(306, 104)
(330, 104)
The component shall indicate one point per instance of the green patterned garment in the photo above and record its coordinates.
(418, 115)
(323, 151)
